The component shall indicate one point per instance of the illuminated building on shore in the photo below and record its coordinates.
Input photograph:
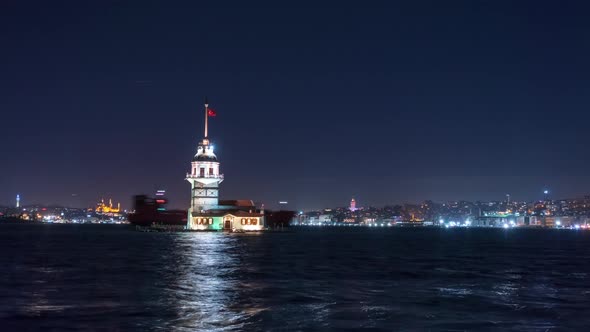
(352, 205)
(102, 208)
(206, 211)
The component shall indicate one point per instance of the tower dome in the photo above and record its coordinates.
(205, 152)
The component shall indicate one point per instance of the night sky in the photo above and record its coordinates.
(387, 102)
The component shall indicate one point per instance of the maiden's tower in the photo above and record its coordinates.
(206, 211)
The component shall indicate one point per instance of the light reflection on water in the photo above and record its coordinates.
(207, 286)
(120, 280)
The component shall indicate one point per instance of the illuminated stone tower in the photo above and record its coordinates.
(352, 205)
(204, 176)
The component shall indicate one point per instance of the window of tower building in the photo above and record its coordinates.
(253, 221)
(243, 221)
(202, 174)
(205, 221)
(210, 170)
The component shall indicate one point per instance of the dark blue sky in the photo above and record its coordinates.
(389, 102)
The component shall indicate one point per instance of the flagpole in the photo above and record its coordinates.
(206, 115)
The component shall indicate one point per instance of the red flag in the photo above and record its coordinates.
(211, 112)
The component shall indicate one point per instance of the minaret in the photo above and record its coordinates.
(204, 176)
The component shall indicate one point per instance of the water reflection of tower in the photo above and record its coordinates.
(204, 280)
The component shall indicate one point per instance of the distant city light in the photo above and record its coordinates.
(546, 192)
(283, 202)
(505, 226)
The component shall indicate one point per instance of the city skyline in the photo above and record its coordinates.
(546, 195)
(389, 103)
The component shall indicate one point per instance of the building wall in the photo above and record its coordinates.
(564, 221)
(201, 199)
(217, 223)
(202, 223)
(534, 221)
(196, 165)
(248, 223)
(203, 203)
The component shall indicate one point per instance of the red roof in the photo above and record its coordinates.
(238, 202)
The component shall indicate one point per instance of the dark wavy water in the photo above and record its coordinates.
(111, 278)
